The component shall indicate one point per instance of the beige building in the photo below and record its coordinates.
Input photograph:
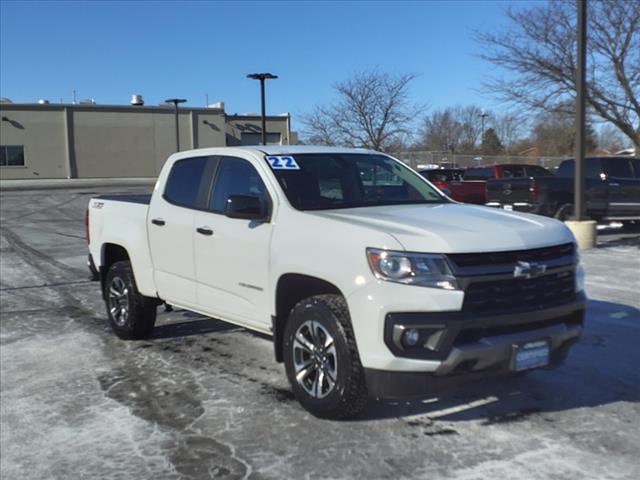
(91, 141)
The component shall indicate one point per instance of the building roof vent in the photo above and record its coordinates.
(43, 101)
(5, 100)
(88, 101)
(136, 100)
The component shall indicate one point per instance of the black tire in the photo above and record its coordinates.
(141, 311)
(348, 396)
(564, 213)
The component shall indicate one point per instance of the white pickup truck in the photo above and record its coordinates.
(371, 282)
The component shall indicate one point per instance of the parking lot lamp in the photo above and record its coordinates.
(483, 115)
(176, 102)
(262, 77)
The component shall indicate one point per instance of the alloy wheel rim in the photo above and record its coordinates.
(315, 359)
(119, 301)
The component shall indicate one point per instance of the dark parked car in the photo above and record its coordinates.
(612, 190)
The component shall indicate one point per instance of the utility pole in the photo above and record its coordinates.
(262, 77)
(483, 115)
(584, 230)
(176, 102)
(579, 212)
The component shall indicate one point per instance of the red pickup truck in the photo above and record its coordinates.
(450, 181)
(513, 170)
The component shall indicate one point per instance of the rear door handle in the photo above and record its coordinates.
(158, 221)
(204, 231)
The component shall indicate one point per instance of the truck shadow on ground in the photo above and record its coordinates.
(601, 369)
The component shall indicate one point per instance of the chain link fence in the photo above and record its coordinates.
(454, 160)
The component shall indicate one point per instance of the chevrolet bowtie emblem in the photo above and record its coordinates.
(529, 270)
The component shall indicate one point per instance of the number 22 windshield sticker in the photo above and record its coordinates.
(285, 162)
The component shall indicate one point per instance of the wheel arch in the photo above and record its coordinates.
(110, 254)
(290, 289)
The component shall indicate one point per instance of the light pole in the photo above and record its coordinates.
(262, 77)
(176, 102)
(483, 115)
(579, 212)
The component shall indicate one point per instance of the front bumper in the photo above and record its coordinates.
(476, 348)
(405, 385)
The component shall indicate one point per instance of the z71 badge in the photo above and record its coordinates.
(284, 162)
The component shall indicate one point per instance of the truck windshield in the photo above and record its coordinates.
(331, 181)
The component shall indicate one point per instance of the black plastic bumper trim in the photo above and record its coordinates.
(458, 321)
(405, 385)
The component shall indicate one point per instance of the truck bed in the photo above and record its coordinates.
(142, 198)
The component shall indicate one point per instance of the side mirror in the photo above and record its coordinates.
(247, 207)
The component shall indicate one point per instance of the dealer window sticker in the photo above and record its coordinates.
(282, 162)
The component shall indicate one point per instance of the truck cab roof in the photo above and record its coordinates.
(275, 150)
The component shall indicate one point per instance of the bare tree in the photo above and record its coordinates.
(553, 133)
(509, 127)
(452, 129)
(372, 111)
(540, 48)
(470, 121)
(441, 131)
(611, 140)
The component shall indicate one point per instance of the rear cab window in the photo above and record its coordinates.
(513, 171)
(479, 173)
(593, 168)
(536, 171)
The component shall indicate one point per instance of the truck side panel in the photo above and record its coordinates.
(123, 224)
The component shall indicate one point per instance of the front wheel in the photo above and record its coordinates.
(131, 315)
(321, 358)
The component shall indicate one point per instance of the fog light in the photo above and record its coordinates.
(411, 337)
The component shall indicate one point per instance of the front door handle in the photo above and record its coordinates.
(158, 221)
(204, 231)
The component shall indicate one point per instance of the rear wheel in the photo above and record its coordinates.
(131, 314)
(321, 358)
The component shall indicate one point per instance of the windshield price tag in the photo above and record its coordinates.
(285, 162)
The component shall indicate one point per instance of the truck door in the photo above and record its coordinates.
(170, 227)
(624, 189)
(232, 255)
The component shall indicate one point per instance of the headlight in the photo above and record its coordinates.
(422, 269)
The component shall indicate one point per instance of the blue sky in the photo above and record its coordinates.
(110, 50)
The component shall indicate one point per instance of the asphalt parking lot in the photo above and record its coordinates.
(204, 399)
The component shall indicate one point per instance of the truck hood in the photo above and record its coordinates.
(456, 228)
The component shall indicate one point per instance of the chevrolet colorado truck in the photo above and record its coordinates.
(370, 281)
(612, 191)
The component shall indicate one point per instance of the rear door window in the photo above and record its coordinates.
(619, 167)
(186, 181)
